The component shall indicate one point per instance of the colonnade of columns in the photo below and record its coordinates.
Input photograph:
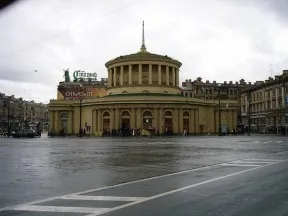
(117, 78)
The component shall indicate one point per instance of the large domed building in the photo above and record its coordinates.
(143, 93)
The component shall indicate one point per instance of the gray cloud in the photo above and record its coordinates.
(225, 41)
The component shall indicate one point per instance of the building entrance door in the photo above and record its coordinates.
(125, 123)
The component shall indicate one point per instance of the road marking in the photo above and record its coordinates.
(109, 198)
(242, 165)
(247, 162)
(136, 181)
(261, 159)
(59, 209)
(179, 189)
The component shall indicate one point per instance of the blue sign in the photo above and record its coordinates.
(286, 99)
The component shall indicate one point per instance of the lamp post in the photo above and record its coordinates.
(80, 111)
(219, 110)
(285, 103)
(249, 112)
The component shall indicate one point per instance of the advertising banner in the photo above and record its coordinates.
(75, 93)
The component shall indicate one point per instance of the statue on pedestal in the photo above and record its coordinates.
(66, 75)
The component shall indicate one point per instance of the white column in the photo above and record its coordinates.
(173, 76)
(150, 73)
(177, 77)
(130, 74)
(159, 74)
(167, 75)
(121, 75)
(140, 74)
(109, 77)
(114, 75)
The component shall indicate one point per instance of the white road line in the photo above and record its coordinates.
(180, 189)
(59, 209)
(261, 159)
(247, 162)
(108, 198)
(241, 165)
(136, 181)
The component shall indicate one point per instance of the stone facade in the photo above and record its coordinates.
(21, 113)
(209, 90)
(143, 93)
(267, 103)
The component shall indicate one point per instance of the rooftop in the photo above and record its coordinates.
(143, 54)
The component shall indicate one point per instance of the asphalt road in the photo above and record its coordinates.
(144, 176)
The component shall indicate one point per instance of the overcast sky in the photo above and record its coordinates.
(214, 39)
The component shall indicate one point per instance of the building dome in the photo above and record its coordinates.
(143, 72)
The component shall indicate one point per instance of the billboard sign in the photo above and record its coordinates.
(75, 93)
(84, 75)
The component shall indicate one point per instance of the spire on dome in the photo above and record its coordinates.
(143, 47)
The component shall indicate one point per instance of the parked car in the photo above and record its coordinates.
(25, 133)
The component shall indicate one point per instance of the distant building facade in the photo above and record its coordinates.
(266, 103)
(11, 112)
(209, 90)
(21, 114)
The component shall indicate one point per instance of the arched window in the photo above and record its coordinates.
(106, 114)
(168, 113)
(186, 94)
(64, 116)
(165, 92)
(124, 92)
(126, 114)
(186, 113)
(145, 91)
(147, 114)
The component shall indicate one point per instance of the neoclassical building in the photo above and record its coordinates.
(143, 93)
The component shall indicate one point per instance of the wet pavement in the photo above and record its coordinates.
(68, 172)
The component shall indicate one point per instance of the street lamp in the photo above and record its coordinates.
(249, 112)
(285, 102)
(80, 111)
(219, 110)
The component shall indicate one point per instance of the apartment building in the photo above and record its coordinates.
(210, 90)
(265, 103)
(19, 113)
